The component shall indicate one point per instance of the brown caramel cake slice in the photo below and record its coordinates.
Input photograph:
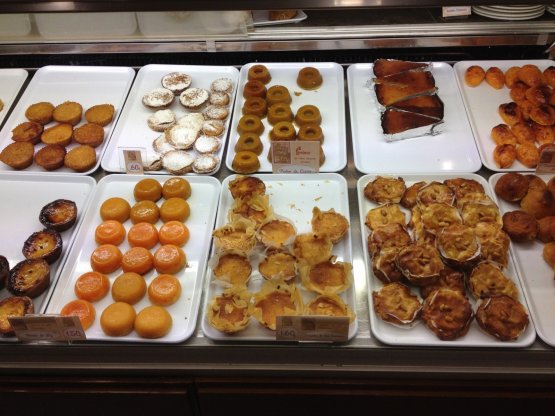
(427, 105)
(385, 67)
(402, 86)
(397, 121)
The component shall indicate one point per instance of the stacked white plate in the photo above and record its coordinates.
(526, 12)
(551, 8)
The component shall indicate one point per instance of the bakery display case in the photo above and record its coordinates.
(97, 51)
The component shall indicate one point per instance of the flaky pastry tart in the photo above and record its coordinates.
(328, 277)
(229, 312)
(329, 305)
(276, 298)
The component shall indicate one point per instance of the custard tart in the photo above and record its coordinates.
(234, 269)
(276, 233)
(330, 223)
(243, 186)
(329, 305)
(238, 236)
(278, 265)
(229, 312)
(327, 277)
(274, 299)
(312, 248)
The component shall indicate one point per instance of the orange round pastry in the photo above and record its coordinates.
(28, 131)
(311, 132)
(138, 260)
(528, 154)
(89, 134)
(106, 258)
(250, 142)
(82, 309)
(115, 208)
(504, 155)
(250, 124)
(544, 115)
(283, 131)
(530, 75)
(256, 106)
(118, 319)
(511, 76)
(279, 112)
(110, 232)
(169, 259)
(254, 89)
(144, 211)
(164, 290)
(51, 157)
(40, 112)
(245, 162)
(68, 112)
(59, 134)
(495, 77)
(18, 155)
(153, 322)
(278, 94)
(474, 75)
(173, 232)
(308, 114)
(309, 78)
(176, 188)
(260, 73)
(81, 158)
(91, 286)
(175, 209)
(147, 189)
(143, 234)
(129, 287)
(101, 114)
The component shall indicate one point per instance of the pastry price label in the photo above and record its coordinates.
(312, 328)
(133, 161)
(47, 328)
(547, 160)
(295, 157)
(453, 11)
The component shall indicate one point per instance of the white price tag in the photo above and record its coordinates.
(47, 328)
(133, 161)
(454, 11)
(295, 156)
(312, 328)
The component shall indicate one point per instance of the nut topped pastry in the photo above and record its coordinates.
(384, 265)
(503, 317)
(384, 189)
(438, 215)
(462, 186)
(387, 236)
(229, 312)
(327, 277)
(447, 313)
(330, 223)
(435, 192)
(395, 303)
(476, 212)
(420, 263)
(409, 198)
(488, 280)
(448, 278)
(458, 245)
(385, 214)
(494, 243)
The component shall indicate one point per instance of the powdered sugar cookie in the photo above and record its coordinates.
(215, 112)
(158, 98)
(205, 164)
(194, 98)
(161, 120)
(213, 127)
(177, 82)
(222, 85)
(207, 144)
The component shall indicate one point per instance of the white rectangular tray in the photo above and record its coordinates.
(482, 103)
(261, 18)
(203, 203)
(453, 150)
(133, 132)
(11, 81)
(420, 335)
(535, 274)
(23, 196)
(329, 98)
(292, 197)
(87, 85)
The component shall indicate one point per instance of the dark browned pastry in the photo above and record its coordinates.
(254, 89)
(512, 186)
(259, 73)
(384, 265)
(548, 254)
(546, 229)
(549, 76)
(46, 245)
(28, 131)
(518, 91)
(544, 115)
(395, 303)
(463, 186)
(420, 263)
(4, 271)
(447, 313)
(448, 278)
(459, 246)
(395, 121)
(385, 189)
(530, 75)
(13, 306)
(59, 215)
(520, 226)
(18, 155)
(538, 95)
(386, 67)
(538, 203)
(29, 278)
(510, 113)
(387, 236)
(503, 317)
(488, 280)
(502, 134)
(409, 197)
(535, 182)
(51, 157)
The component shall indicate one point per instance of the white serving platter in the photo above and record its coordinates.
(132, 132)
(292, 197)
(482, 103)
(535, 274)
(261, 18)
(453, 150)
(23, 196)
(420, 335)
(329, 98)
(203, 203)
(11, 81)
(87, 85)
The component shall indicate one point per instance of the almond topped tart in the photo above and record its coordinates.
(435, 192)
(385, 189)
(459, 246)
(229, 311)
(420, 263)
(409, 198)
(462, 186)
(276, 298)
(437, 215)
(448, 278)
(494, 243)
(447, 313)
(394, 303)
(384, 265)
(477, 212)
(255, 208)
(502, 317)
(327, 277)
(276, 233)
(238, 236)
(331, 223)
(388, 236)
(487, 279)
(385, 214)
(329, 305)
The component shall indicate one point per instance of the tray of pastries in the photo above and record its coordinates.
(287, 102)
(177, 116)
(412, 110)
(511, 110)
(64, 119)
(440, 269)
(41, 215)
(137, 269)
(281, 246)
(528, 207)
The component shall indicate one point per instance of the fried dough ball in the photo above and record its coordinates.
(502, 134)
(543, 115)
(549, 253)
(549, 76)
(474, 75)
(409, 197)
(528, 154)
(511, 187)
(511, 76)
(383, 189)
(525, 109)
(503, 317)
(40, 112)
(530, 75)
(68, 112)
(546, 229)
(544, 134)
(539, 203)
(538, 95)
(510, 113)
(524, 132)
(495, 77)
(330, 223)
(395, 303)
(535, 182)
(447, 313)
(504, 155)
(520, 225)
(101, 114)
(518, 91)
